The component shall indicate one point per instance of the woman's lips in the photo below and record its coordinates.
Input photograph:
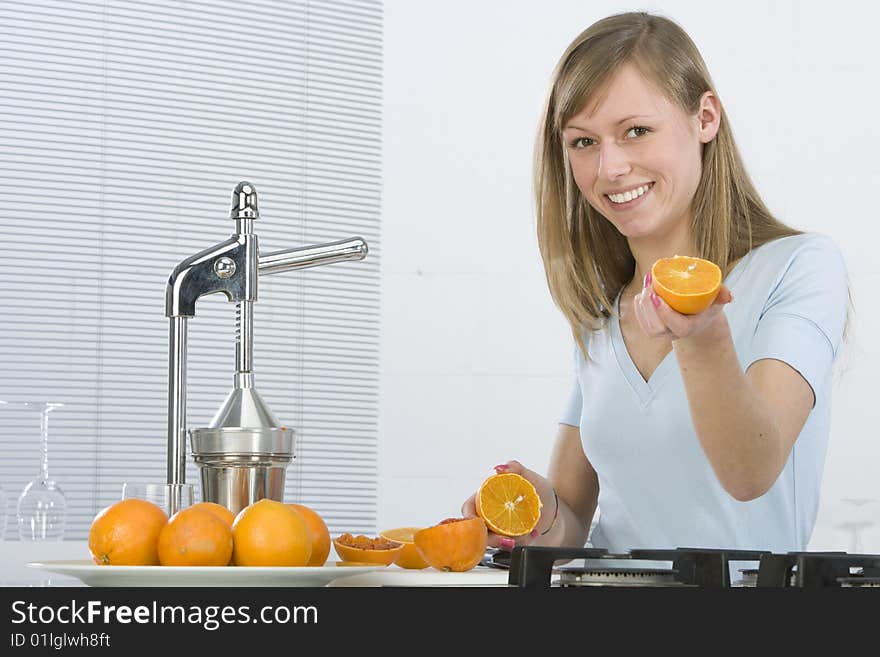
(633, 202)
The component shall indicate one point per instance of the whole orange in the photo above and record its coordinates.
(218, 510)
(270, 533)
(221, 512)
(126, 533)
(455, 544)
(195, 537)
(320, 534)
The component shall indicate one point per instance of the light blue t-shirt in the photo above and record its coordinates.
(657, 489)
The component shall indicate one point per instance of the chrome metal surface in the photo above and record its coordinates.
(195, 276)
(238, 485)
(353, 248)
(224, 267)
(210, 444)
(177, 401)
(244, 202)
(617, 577)
(244, 408)
(244, 337)
(239, 466)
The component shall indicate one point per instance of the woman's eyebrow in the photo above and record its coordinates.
(571, 126)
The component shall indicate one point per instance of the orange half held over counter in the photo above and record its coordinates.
(689, 285)
(509, 504)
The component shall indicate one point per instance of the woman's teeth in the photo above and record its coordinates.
(630, 195)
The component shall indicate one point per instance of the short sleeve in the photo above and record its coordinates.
(571, 412)
(802, 321)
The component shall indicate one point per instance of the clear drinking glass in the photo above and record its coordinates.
(160, 494)
(42, 506)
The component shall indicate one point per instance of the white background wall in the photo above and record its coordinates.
(475, 357)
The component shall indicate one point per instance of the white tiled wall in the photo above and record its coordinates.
(475, 357)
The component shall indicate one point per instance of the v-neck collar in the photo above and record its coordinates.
(647, 390)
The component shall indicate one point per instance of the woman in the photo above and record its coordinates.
(707, 430)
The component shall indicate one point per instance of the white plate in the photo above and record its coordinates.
(93, 575)
(479, 576)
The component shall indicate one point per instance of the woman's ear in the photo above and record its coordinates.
(708, 117)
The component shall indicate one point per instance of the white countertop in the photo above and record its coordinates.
(15, 555)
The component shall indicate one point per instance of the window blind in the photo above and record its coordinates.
(124, 127)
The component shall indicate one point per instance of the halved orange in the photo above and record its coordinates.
(509, 504)
(453, 545)
(689, 285)
(409, 557)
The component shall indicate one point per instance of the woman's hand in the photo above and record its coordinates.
(657, 319)
(545, 491)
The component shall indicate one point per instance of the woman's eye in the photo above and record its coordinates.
(637, 131)
(582, 142)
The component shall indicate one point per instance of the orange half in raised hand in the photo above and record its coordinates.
(689, 285)
(509, 504)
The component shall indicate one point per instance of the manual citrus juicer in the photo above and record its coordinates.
(244, 452)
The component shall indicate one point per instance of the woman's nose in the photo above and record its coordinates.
(613, 162)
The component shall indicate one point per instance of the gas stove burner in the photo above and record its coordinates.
(617, 577)
(531, 566)
(748, 577)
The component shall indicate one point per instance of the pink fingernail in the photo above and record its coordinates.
(533, 533)
(506, 544)
(655, 299)
(648, 279)
(502, 467)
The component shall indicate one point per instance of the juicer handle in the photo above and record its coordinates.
(353, 248)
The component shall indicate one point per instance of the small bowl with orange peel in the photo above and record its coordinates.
(688, 285)
(365, 550)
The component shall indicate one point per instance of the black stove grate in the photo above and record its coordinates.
(533, 567)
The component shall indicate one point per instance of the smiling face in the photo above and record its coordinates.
(636, 156)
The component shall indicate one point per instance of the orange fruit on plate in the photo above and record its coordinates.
(218, 510)
(195, 537)
(126, 533)
(270, 533)
(409, 557)
(455, 544)
(509, 504)
(689, 285)
(320, 534)
(363, 549)
(221, 512)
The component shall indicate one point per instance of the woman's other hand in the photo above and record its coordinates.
(545, 491)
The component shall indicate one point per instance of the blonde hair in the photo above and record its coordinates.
(586, 260)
